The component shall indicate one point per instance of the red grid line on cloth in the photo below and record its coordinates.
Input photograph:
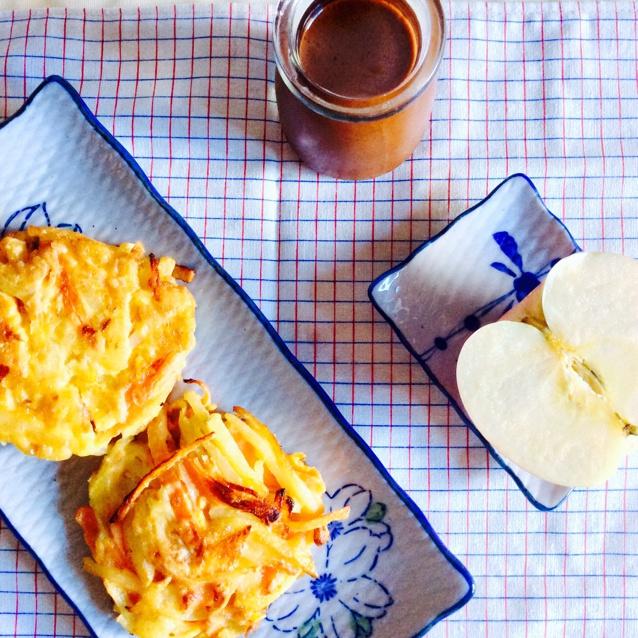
(550, 90)
(602, 142)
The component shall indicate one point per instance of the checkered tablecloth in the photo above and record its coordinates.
(550, 90)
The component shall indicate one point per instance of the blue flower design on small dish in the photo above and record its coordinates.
(522, 284)
(525, 281)
(347, 597)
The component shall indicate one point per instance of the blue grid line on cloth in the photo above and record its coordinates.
(557, 118)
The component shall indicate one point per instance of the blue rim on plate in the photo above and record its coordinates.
(494, 209)
(417, 514)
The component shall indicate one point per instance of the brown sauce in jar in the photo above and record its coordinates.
(357, 49)
(355, 56)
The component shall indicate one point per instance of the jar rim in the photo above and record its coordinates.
(348, 108)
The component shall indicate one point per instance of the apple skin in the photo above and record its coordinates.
(553, 385)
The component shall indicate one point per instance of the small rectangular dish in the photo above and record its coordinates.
(468, 275)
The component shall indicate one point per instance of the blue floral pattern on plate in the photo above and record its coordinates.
(470, 274)
(347, 595)
(34, 215)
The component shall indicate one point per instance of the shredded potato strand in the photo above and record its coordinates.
(156, 473)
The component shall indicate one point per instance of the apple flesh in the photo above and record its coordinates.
(553, 385)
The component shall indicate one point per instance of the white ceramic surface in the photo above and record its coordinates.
(384, 572)
(470, 274)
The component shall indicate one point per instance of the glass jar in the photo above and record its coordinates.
(355, 80)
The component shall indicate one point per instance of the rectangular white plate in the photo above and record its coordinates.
(384, 573)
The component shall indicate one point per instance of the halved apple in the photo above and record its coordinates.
(553, 385)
